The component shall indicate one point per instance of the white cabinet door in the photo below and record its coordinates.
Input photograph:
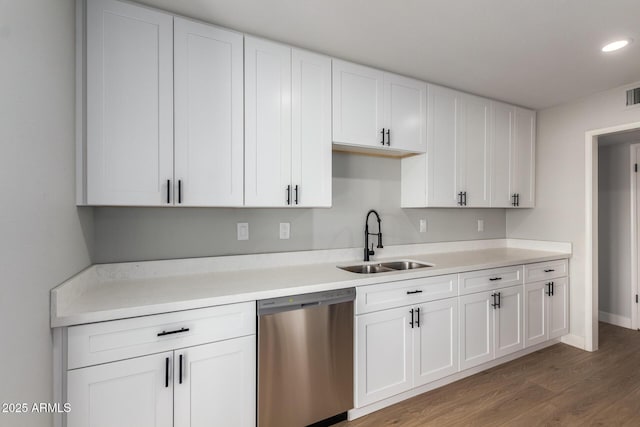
(435, 341)
(208, 115)
(502, 146)
(383, 355)
(357, 104)
(476, 329)
(559, 308)
(217, 384)
(405, 113)
(536, 328)
(473, 154)
(129, 104)
(509, 321)
(311, 129)
(442, 146)
(267, 123)
(524, 157)
(132, 393)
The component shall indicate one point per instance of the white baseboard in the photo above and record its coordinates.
(574, 341)
(614, 319)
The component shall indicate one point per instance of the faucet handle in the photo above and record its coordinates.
(371, 251)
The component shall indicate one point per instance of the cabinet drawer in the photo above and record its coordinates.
(405, 292)
(121, 339)
(484, 280)
(545, 270)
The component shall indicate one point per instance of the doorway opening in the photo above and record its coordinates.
(626, 287)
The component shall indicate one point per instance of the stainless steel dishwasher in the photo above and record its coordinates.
(305, 358)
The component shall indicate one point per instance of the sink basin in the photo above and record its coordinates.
(405, 265)
(384, 267)
(366, 268)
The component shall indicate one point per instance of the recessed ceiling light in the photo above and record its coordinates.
(618, 44)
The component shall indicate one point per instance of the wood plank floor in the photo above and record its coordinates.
(557, 386)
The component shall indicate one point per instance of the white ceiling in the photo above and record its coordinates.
(535, 53)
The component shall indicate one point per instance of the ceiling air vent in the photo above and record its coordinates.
(633, 96)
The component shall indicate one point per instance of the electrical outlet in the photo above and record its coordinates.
(285, 228)
(481, 225)
(423, 225)
(243, 230)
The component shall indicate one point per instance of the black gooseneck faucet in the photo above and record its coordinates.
(368, 252)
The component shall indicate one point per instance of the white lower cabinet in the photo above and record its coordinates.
(491, 325)
(547, 310)
(201, 385)
(129, 393)
(402, 348)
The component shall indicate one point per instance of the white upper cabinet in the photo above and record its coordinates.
(129, 104)
(443, 143)
(378, 110)
(208, 115)
(473, 154)
(405, 113)
(456, 167)
(267, 123)
(311, 129)
(512, 156)
(524, 176)
(357, 104)
(287, 126)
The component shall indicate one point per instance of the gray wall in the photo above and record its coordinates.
(360, 183)
(614, 229)
(44, 238)
(560, 184)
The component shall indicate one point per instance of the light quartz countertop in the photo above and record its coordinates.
(116, 291)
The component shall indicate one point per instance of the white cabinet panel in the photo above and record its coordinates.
(536, 328)
(405, 113)
(209, 124)
(436, 349)
(383, 355)
(476, 329)
(129, 104)
(267, 122)
(357, 104)
(559, 308)
(217, 384)
(473, 154)
(546, 270)
(493, 278)
(442, 146)
(509, 321)
(524, 157)
(311, 129)
(502, 146)
(132, 393)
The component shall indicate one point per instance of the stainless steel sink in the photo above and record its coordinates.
(383, 267)
(366, 268)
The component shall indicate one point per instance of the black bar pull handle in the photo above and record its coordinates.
(552, 289)
(288, 190)
(460, 198)
(180, 369)
(464, 202)
(517, 199)
(494, 304)
(417, 317)
(382, 132)
(179, 191)
(418, 291)
(168, 191)
(499, 299)
(548, 291)
(388, 137)
(513, 203)
(549, 270)
(166, 372)
(493, 279)
(296, 190)
(177, 331)
(411, 323)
